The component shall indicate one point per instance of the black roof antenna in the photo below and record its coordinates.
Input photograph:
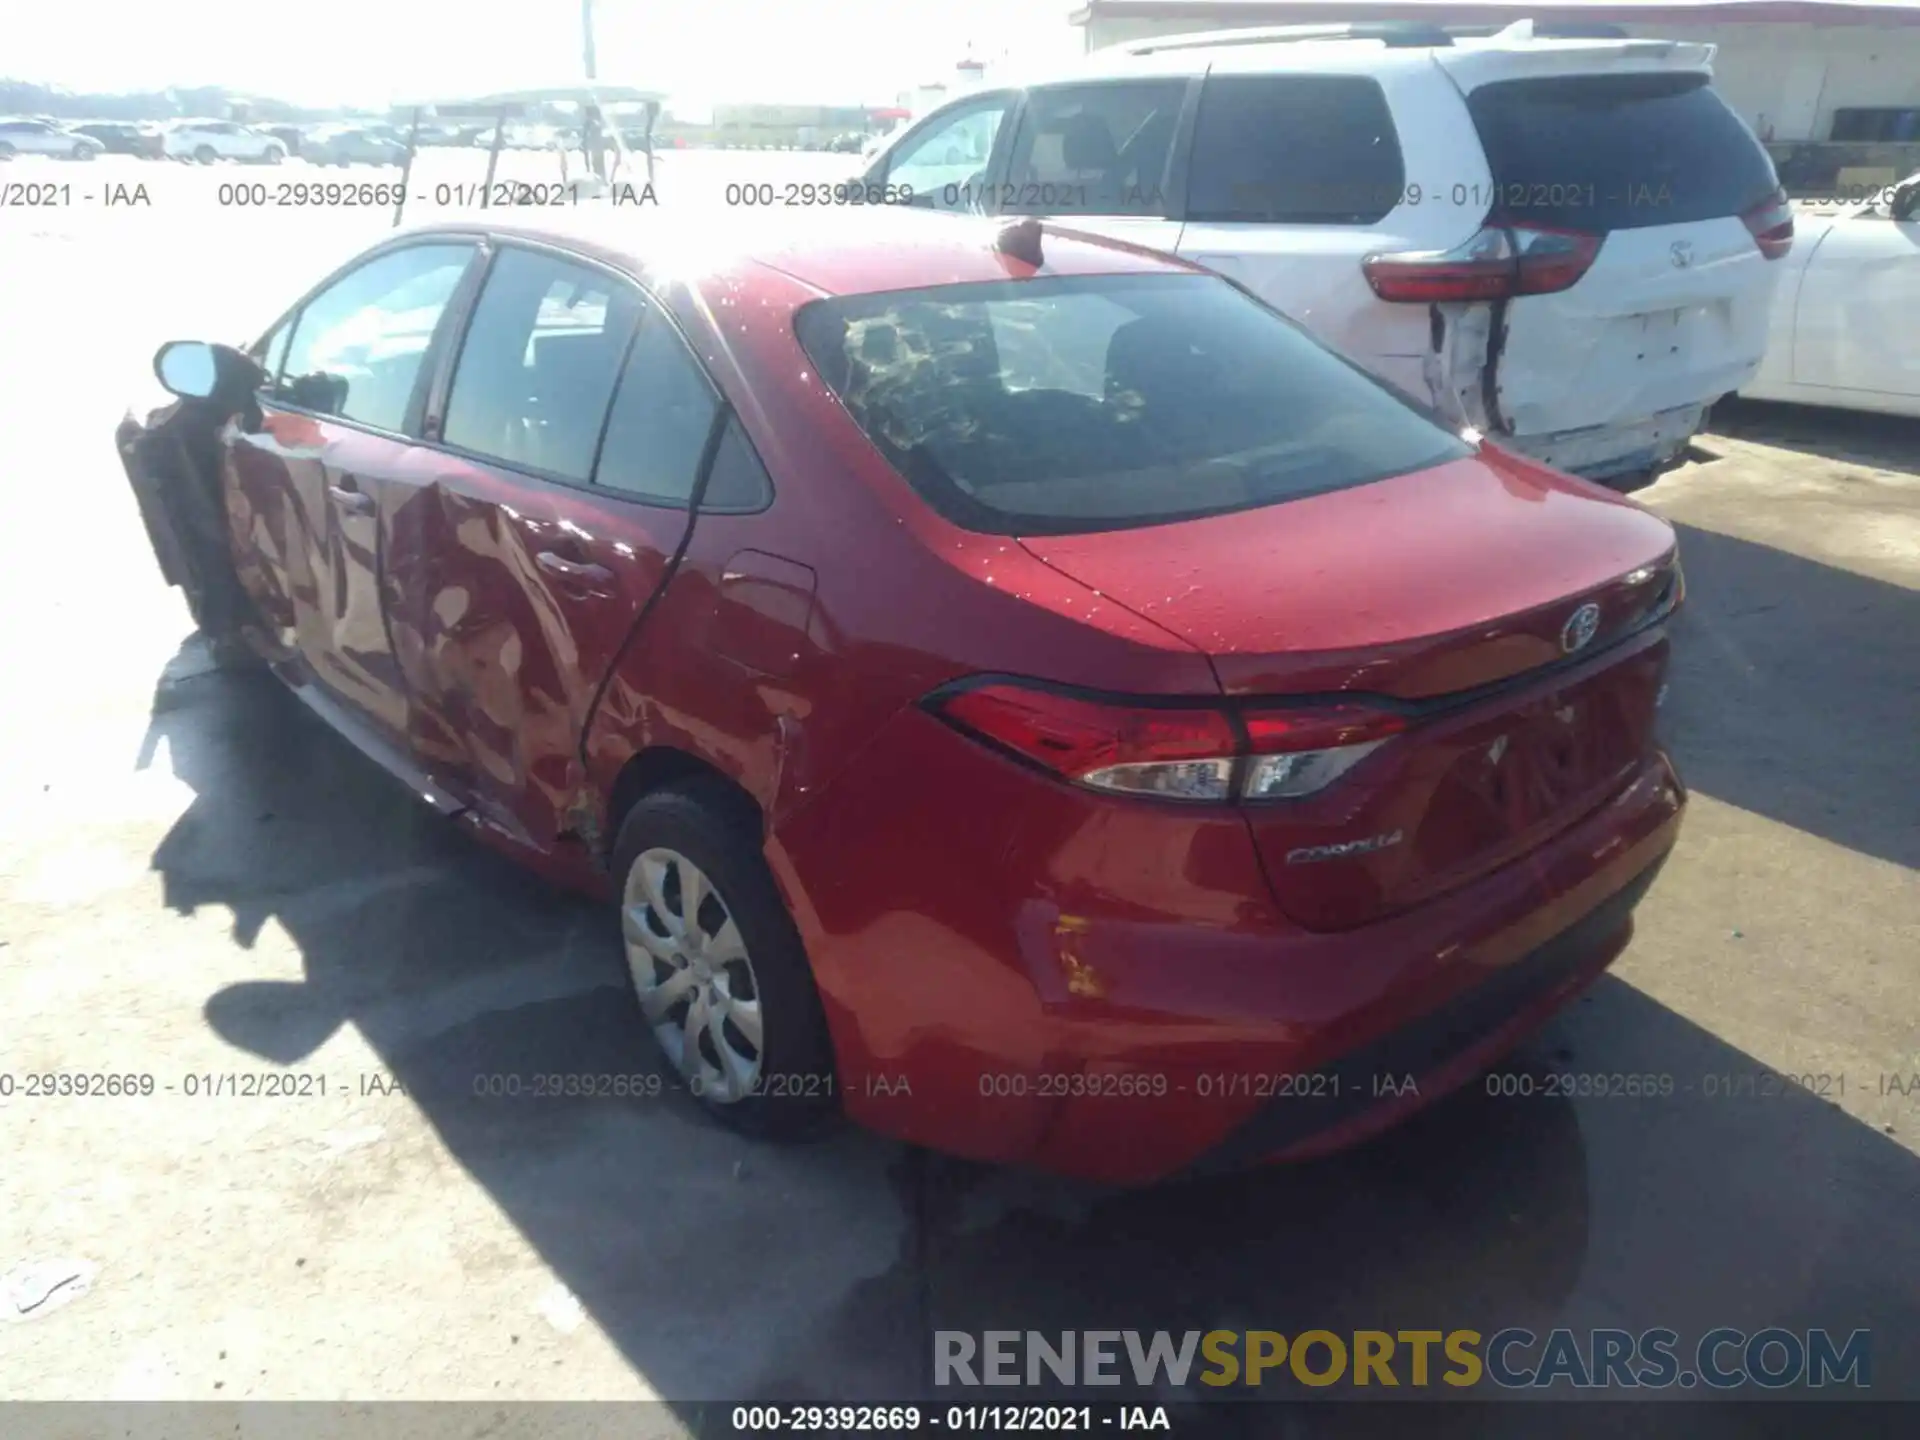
(1021, 239)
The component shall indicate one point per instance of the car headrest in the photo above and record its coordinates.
(1087, 144)
(1144, 354)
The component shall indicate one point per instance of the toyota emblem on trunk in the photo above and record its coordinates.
(1682, 253)
(1580, 628)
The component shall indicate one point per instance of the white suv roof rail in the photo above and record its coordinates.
(1409, 34)
(1282, 34)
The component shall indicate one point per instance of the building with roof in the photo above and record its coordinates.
(1832, 86)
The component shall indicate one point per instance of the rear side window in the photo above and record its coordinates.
(539, 363)
(738, 480)
(662, 416)
(1084, 403)
(1596, 153)
(1094, 149)
(1294, 150)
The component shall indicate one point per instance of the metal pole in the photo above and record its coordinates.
(493, 155)
(406, 170)
(586, 37)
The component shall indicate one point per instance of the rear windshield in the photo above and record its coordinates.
(1074, 404)
(1617, 152)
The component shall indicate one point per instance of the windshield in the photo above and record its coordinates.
(1076, 404)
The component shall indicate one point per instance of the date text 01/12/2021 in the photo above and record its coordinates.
(384, 195)
(958, 1419)
(647, 1084)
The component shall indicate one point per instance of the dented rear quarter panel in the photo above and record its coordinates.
(780, 694)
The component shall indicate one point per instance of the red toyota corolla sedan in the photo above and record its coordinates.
(1016, 689)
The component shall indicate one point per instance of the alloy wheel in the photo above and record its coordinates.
(692, 974)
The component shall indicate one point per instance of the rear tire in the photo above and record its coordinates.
(206, 155)
(727, 991)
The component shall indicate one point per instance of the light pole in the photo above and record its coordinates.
(586, 37)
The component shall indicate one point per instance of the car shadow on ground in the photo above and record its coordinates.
(824, 1273)
(1882, 442)
(1793, 693)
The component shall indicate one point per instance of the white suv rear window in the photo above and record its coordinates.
(1595, 153)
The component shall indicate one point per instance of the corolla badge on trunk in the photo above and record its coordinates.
(1307, 854)
(1580, 628)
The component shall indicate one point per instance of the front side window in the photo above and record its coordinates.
(358, 346)
(1294, 150)
(1094, 149)
(271, 352)
(943, 163)
(539, 363)
(989, 400)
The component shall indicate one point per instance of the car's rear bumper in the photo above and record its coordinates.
(1105, 991)
(1604, 452)
(1368, 1089)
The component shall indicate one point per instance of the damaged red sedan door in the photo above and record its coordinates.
(311, 490)
(564, 443)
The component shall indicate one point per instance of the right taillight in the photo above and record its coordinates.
(1176, 752)
(1771, 225)
(1499, 262)
(1300, 752)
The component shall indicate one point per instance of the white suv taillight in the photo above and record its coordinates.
(1771, 225)
(1499, 262)
(1173, 752)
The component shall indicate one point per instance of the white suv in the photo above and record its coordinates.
(211, 140)
(1563, 243)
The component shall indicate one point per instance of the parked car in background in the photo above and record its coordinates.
(1569, 243)
(528, 135)
(442, 134)
(1846, 319)
(126, 137)
(353, 145)
(1275, 727)
(209, 140)
(45, 137)
(290, 136)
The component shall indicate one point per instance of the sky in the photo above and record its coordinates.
(376, 52)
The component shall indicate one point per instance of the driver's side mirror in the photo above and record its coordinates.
(187, 368)
(196, 370)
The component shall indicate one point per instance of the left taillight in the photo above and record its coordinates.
(1174, 752)
(1499, 262)
(1771, 225)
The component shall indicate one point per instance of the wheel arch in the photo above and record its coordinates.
(654, 767)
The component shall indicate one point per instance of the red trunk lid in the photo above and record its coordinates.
(1443, 593)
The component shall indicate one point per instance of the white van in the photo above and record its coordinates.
(1562, 242)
